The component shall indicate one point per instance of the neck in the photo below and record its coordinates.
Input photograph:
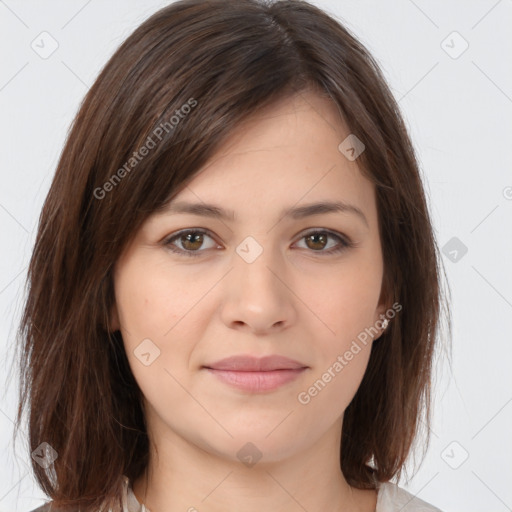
(201, 481)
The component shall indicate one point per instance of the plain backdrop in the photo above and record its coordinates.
(448, 64)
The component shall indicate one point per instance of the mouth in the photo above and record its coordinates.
(253, 374)
(257, 381)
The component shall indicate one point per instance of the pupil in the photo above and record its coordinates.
(316, 236)
(191, 236)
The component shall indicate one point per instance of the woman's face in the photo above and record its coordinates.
(256, 283)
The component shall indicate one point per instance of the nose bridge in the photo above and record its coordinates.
(256, 296)
(256, 265)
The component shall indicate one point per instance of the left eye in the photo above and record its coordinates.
(192, 240)
(321, 237)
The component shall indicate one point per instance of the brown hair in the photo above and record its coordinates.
(225, 60)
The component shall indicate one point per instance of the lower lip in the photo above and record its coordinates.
(257, 381)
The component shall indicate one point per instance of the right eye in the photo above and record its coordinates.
(190, 239)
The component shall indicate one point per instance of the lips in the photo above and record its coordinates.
(256, 375)
(253, 364)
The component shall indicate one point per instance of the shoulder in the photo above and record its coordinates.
(392, 498)
(43, 508)
(125, 489)
(49, 507)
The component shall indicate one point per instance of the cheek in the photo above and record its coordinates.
(149, 307)
(152, 298)
(347, 308)
(141, 316)
(345, 300)
(331, 388)
(161, 314)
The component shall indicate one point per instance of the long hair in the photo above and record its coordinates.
(159, 109)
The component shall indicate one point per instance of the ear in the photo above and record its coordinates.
(380, 313)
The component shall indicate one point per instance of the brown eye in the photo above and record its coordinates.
(318, 240)
(189, 242)
(192, 241)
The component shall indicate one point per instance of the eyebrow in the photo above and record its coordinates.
(298, 212)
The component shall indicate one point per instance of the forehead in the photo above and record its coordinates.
(287, 154)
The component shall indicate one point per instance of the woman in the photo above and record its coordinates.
(235, 289)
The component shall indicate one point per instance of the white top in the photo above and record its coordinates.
(390, 498)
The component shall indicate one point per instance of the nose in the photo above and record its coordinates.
(257, 297)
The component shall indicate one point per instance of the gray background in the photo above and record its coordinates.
(458, 107)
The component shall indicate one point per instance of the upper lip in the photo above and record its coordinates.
(254, 364)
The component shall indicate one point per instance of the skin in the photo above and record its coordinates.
(197, 310)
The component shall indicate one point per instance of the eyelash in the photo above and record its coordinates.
(345, 243)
